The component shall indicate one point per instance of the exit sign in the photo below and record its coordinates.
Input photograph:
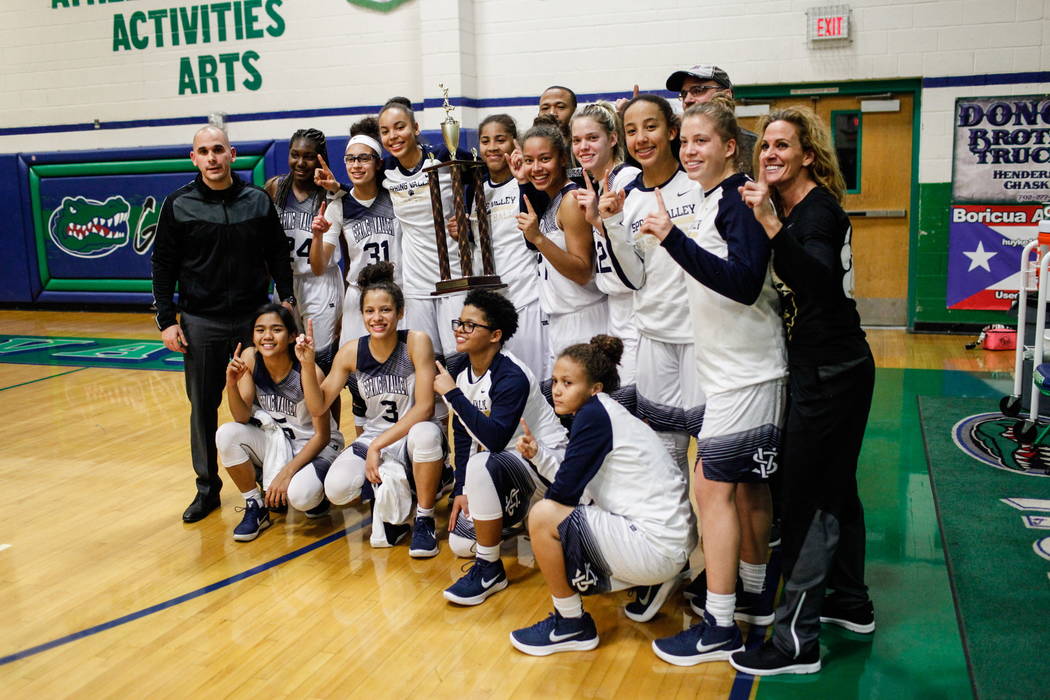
(830, 24)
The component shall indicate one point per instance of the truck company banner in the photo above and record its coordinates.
(1002, 150)
(984, 253)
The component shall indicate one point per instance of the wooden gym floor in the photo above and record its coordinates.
(108, 594)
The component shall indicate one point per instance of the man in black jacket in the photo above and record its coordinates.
(220, 240)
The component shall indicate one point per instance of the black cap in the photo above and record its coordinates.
(700, 72)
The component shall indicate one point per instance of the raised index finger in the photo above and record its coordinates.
(237, 352)
(661, 208)
(323, 164)
(525, 428)
(587, 181)
(528, 204)
(321, 211)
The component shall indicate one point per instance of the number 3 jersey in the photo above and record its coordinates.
(285, 403)
(382, 392)
(371, 230)
(296, 218)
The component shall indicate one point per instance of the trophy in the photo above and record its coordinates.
(475, 169)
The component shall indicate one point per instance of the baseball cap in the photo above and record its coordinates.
(700, 72)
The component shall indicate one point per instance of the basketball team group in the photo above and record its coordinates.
(664, 275)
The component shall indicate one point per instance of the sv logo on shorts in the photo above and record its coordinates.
(513, 501)
(584, 579)
(766, 460)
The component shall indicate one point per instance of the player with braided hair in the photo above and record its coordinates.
(298, 198)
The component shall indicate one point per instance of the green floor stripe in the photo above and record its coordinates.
(89, 352)
(34, 381)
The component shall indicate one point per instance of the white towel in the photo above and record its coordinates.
(393, 502)
(278, 447)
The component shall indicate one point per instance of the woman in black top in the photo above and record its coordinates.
(831, 378)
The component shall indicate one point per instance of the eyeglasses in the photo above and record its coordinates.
(363, 159)
(698, 90)
(468, 326)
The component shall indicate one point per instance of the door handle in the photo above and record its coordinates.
(878, 213)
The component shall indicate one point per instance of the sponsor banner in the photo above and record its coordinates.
(984, 253)
(1002, 149)
(88, 352)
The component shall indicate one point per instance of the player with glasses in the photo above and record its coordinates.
(365, 217)
(492, 393)
(699, 84)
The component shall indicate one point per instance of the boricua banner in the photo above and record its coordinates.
(984, 253)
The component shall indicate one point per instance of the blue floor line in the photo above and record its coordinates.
(52, 376)
(186, 596)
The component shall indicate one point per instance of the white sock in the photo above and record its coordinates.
(254, 495)
(753, 576)
(422, 512)
(720, 606)
(569, 607)
(488, 553)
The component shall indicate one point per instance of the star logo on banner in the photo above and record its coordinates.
(979, 258)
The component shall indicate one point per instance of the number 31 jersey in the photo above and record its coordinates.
(382, 392)
(371, 230)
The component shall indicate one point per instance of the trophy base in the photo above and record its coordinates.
(464, 284)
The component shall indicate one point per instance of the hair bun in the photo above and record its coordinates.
(609, 346)
(547, 120)
(369, 126)
(376, 273)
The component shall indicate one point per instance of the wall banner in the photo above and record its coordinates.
(1002, 149)
(984, 253)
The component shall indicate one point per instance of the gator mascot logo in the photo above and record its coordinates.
(87, 228)
(993, 439)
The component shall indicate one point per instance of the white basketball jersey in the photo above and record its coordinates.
(286, 404)
(605, 275)
(559, 294)
(661, 306)
(296, 218)
(514, 262)
(410, 196)
(371, 231)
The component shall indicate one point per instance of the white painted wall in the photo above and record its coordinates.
(57, 66)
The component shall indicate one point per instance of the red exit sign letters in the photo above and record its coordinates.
(828, 24)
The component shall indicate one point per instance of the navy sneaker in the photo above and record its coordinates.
(255, 520)
(856, 618)
(320, 510)
(752, 608)
(424, 539)
(387, 535)
(556, 633)
(767, 660)
(704, 641)
(648, 600)
(482, 580)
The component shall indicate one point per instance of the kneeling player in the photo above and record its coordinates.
(390, 375)
(638, 528)
(491, 393)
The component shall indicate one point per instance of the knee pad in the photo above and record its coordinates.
(425, 443)
(345, 478)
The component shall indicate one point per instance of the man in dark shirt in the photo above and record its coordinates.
(218, 239)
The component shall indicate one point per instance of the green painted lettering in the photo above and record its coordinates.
(173, 21)
(254, 82)
(189, 18)
(277, 28)
(121, 40)
(207, 71)
(205, 24)
(219, 9)
(55, 4)
(187, 82)
(229, 62)
(158, 25)
(238, 20)
(137, 18)
(251, 17)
